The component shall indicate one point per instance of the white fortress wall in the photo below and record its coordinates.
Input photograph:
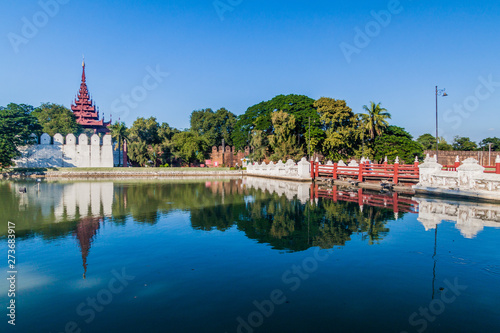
(55, 152)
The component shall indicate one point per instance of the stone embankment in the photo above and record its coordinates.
(122, 173)
(469, 181)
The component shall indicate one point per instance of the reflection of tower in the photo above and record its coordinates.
(85, 232)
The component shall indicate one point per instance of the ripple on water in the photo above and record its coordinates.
(493, 270)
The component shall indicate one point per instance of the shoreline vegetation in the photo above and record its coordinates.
(285, 127)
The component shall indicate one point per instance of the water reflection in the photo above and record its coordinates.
(85, 233)
(470, 217)
(287, 216)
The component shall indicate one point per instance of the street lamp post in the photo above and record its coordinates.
(309, 148)
(439, 92)
(223, 151)
(489, 154)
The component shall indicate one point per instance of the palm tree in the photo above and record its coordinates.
(119, 133)
(374, 119)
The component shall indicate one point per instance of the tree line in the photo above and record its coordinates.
(285, 127)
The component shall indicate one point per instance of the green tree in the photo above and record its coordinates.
(396, 142)
(315, 135)
(145, 130)
(259, 118)
(119, 133)
(138, 153)
(464, 144)
(375, 119)
(56, 118)
(428, 141)
(17, 123)
(495, 143)
(283, 141)
(214, 126)
(165, 134)
(189, 146)
(341, 128)
(144, 139)
(259, 143)
(443, 145)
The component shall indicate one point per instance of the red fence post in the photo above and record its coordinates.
(360, 197)
(335, 165)
(360, 172)
(334, 193)
(312, 169)
(497, 164)
(396, 175)
(416, 169)
(317, 169)
(457, 163)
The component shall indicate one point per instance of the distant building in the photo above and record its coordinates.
(85, 111)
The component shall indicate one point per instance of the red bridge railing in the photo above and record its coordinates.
(489, 168)
(367, 171)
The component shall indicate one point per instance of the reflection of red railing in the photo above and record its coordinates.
(366, 171)
(393, 201)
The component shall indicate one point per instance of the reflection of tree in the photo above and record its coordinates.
(214, 205)
(220, 217)
(372, 222)
(274, 220)
(292, 226)
(342, 219)
(145, 202)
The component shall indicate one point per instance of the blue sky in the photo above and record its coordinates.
(255, 50)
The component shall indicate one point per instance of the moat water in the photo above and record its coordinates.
(245, 255)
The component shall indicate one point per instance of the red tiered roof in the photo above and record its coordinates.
(85, 110)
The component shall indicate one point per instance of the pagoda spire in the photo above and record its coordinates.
(85, 110)
(83, 71)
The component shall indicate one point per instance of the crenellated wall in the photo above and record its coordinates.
(228, 156)
(72, 152)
